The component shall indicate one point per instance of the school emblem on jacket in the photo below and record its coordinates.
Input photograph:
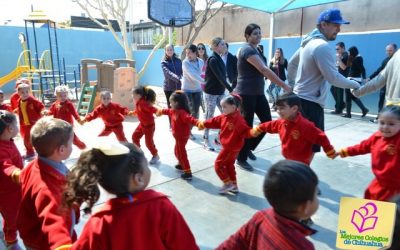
(230, 126)
(31, 106)
(295, 134)
(112, 112)
(58, 106)
(391, 149)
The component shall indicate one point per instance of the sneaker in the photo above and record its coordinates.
(192, 137)
(178, 167)
(217, 142)
(346, 116)
(14, 246)
(374, 120)
(235, 189)
(365, 112)
(154, 160)
(225, 188)
(251, 156)
(244, 165)
(335, 112)
(207, 145)
(186, 176)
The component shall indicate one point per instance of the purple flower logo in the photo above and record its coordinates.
(363, 218)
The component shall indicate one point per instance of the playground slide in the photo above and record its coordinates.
(13, 75)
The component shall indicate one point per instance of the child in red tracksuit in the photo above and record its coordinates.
(29, 111)
(297, 134)
(11, 165)
(112, 115)
(42, 222)
(144, 99)
(4, 106)
(233, 131)
(64, 109)
(138, 218)
(384, 146)
(14, 98)
(181, 123)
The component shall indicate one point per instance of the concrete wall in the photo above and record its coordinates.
(364, 15)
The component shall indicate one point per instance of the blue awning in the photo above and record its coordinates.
(274, 6)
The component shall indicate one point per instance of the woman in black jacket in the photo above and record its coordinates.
(215, 83)
(172, 68)
(357, 72)
(278, 64)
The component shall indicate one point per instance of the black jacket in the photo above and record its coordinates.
(216, 76)
(383, 65)
(231, 69)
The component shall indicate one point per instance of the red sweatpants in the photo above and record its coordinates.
(180, 153)
(224, 165)
(148, 132)
(9, 204)
(377, 191)
(25, 131)
(80, 144)
(118, 131)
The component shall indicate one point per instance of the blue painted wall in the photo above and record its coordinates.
(77, 44)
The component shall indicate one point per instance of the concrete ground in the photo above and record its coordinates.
(213, 217)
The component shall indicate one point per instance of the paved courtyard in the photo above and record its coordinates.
(213, 217)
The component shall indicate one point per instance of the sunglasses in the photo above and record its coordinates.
(201, 48)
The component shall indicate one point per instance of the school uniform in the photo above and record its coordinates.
(112, 115)
(14, 100)
(145, 220)
(42, 221)
(297, 138)
(181, 123)
(10, 191)
(145, 112)
(67, 112)
(29, 112)
(6, 107)
(385, 158)
(233, 131)
(270, 231)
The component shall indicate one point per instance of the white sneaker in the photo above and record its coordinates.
(235, 189)
(14, 246)
(207, 145)
(154, 160)
(225, 188)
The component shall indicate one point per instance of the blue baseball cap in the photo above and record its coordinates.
(331, 16)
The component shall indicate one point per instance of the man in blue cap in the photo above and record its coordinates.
(314, 65)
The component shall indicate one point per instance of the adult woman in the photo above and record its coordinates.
(192, 80)
(357, 72)
(202, 54)
(250, 86)
(172, 68)
(215, 84)
(278, 64)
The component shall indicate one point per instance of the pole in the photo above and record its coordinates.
(170, 35)
(271, 36)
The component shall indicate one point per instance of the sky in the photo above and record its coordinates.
(13, 12)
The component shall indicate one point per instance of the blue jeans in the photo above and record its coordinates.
(194, 103)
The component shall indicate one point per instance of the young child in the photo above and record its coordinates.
(181, 123)
(14, 98)
(112, 115)
(42, 223)
(233, 131)
(297, 134)
(384, 146)
(144, 99)
(11, 165)
(4, 106)
(136, 218)
(291, 189)
(29, 111)
(64, 109)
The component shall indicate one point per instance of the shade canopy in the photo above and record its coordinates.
(274, 6)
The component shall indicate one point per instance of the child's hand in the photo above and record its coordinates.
(133, 113)
(44, 112)
(200, 125)
(159, 112)
(255, 131)
(15, 176)
(82, 121)
(332, 154)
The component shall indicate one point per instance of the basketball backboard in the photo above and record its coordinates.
(173, 13)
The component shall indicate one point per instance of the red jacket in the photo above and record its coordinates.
(14, 100)
(148, 221)
(5, 106)
(42, 222)
(34, 108)
(234, 130)
(112, 115)
(145, 112)
(10, 160)
(297, 137)
(181, 122)
(64, 111)
(268, 230)
(385, 157)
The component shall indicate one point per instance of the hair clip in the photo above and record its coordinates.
(111, 148)
(234, 94)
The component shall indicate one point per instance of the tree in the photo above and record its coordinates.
(116, 10)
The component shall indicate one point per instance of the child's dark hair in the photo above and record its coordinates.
(6, 119)
(393, 109)
(112, 172)
(290, 99)
(48, 134)
(233, 99)
(146, 92)
(396, 231)
(289, 184)
(181, 99)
